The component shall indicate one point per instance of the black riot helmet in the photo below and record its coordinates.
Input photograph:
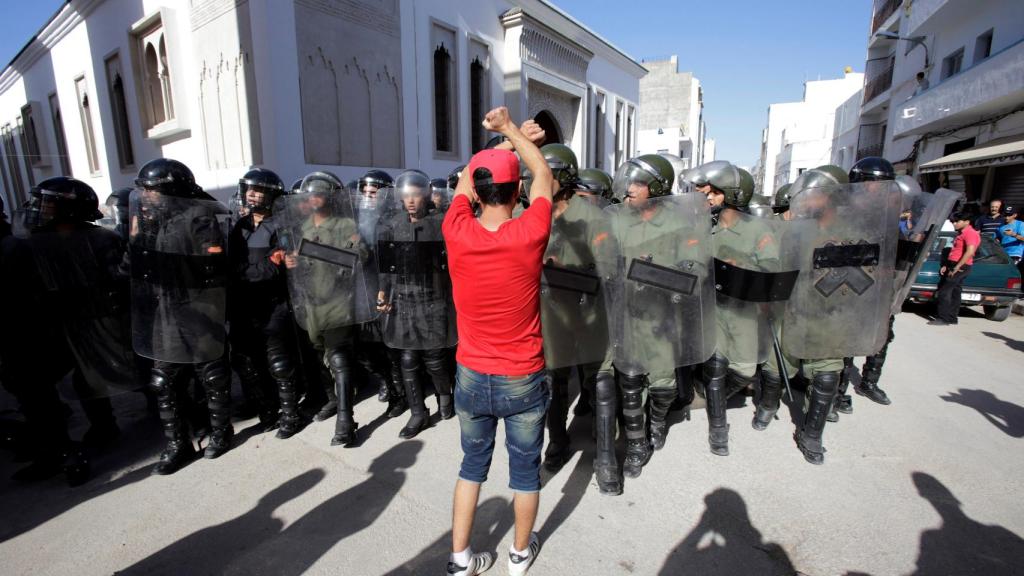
(62, 200)
(595, 181)
(377, 178)
(871, 169)
(266, 183)
(323, 185)
(562, 161)
(169, 177)
(454, 175)
(412, 181)
(296, 186)
(438, 185)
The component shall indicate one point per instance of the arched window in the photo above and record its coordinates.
(443, 140)
(154, 87)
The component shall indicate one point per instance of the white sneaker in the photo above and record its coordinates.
(479, 563)
(519, 565)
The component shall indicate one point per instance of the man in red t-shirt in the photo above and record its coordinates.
(956, 269)
(495, 265)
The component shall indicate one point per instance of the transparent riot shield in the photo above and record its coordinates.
(86, 295)
(325, 258)
(660, 292)
(178, 277)
(755, 271)
(847, 254)
(415, 292)
(920, 222)
(572, 296)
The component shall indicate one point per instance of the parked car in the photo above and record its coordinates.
(993, 284)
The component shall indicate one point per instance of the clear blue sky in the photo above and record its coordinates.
(747, 53)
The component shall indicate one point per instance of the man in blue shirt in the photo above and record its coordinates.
(1011, 234)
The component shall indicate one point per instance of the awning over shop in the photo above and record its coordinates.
(994, 153)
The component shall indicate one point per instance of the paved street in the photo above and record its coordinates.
(929, 485)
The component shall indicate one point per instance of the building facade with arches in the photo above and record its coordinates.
(301, 85)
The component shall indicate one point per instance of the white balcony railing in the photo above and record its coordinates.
(989, 87)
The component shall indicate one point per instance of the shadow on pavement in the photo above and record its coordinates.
(962, 545)
(576, 485)
(211, 550)
(494, 518)
(27, 506)
(1006, 416)
(725, 542)
(1017, 345)
(254, 542)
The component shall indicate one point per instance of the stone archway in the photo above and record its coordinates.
(546, 120)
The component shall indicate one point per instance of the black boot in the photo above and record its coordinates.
(75, 466)
(436, 362)
(715, 371)
(660, 400)
(638, 450)
(871, 373)
(218, 400)
(606, 465)
(844, 404)
(103, 427)
(397, 402)
(419, 417)
(329, 409)
(685, 391)
(868, 386)
(344, 425)
(557, 453)
(283, 371)
(179, 450)
(768, 404)
(824, 386)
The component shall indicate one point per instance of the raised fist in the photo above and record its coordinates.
(497, 120)
(533, 132)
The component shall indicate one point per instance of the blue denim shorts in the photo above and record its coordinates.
(521, 401)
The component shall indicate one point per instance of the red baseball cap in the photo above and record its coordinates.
(502, 166)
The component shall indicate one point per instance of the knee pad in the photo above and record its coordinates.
(715, 367)
(215, 376)
(435, 361)
(409, 360)
(337, 360)
(160, 382)
(281, 367)
(604, 388)
(826, 383)
(632, 384)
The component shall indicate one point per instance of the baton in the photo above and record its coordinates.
(783, 372)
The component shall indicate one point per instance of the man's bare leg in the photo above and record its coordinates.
(463, 512)
(525, 504)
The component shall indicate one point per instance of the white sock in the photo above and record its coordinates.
(462, 558)
(522, 553)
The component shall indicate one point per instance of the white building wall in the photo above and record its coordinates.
(267, 121)
(809, 123)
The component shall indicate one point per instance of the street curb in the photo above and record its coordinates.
(1018, 307)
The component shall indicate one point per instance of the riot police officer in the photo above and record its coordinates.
(870, 169)
(261, 346)
(179, 274)
(659, 293)
(746, 252)
(373, 356)
(324, 254)
(847, 257)
(415, 297)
